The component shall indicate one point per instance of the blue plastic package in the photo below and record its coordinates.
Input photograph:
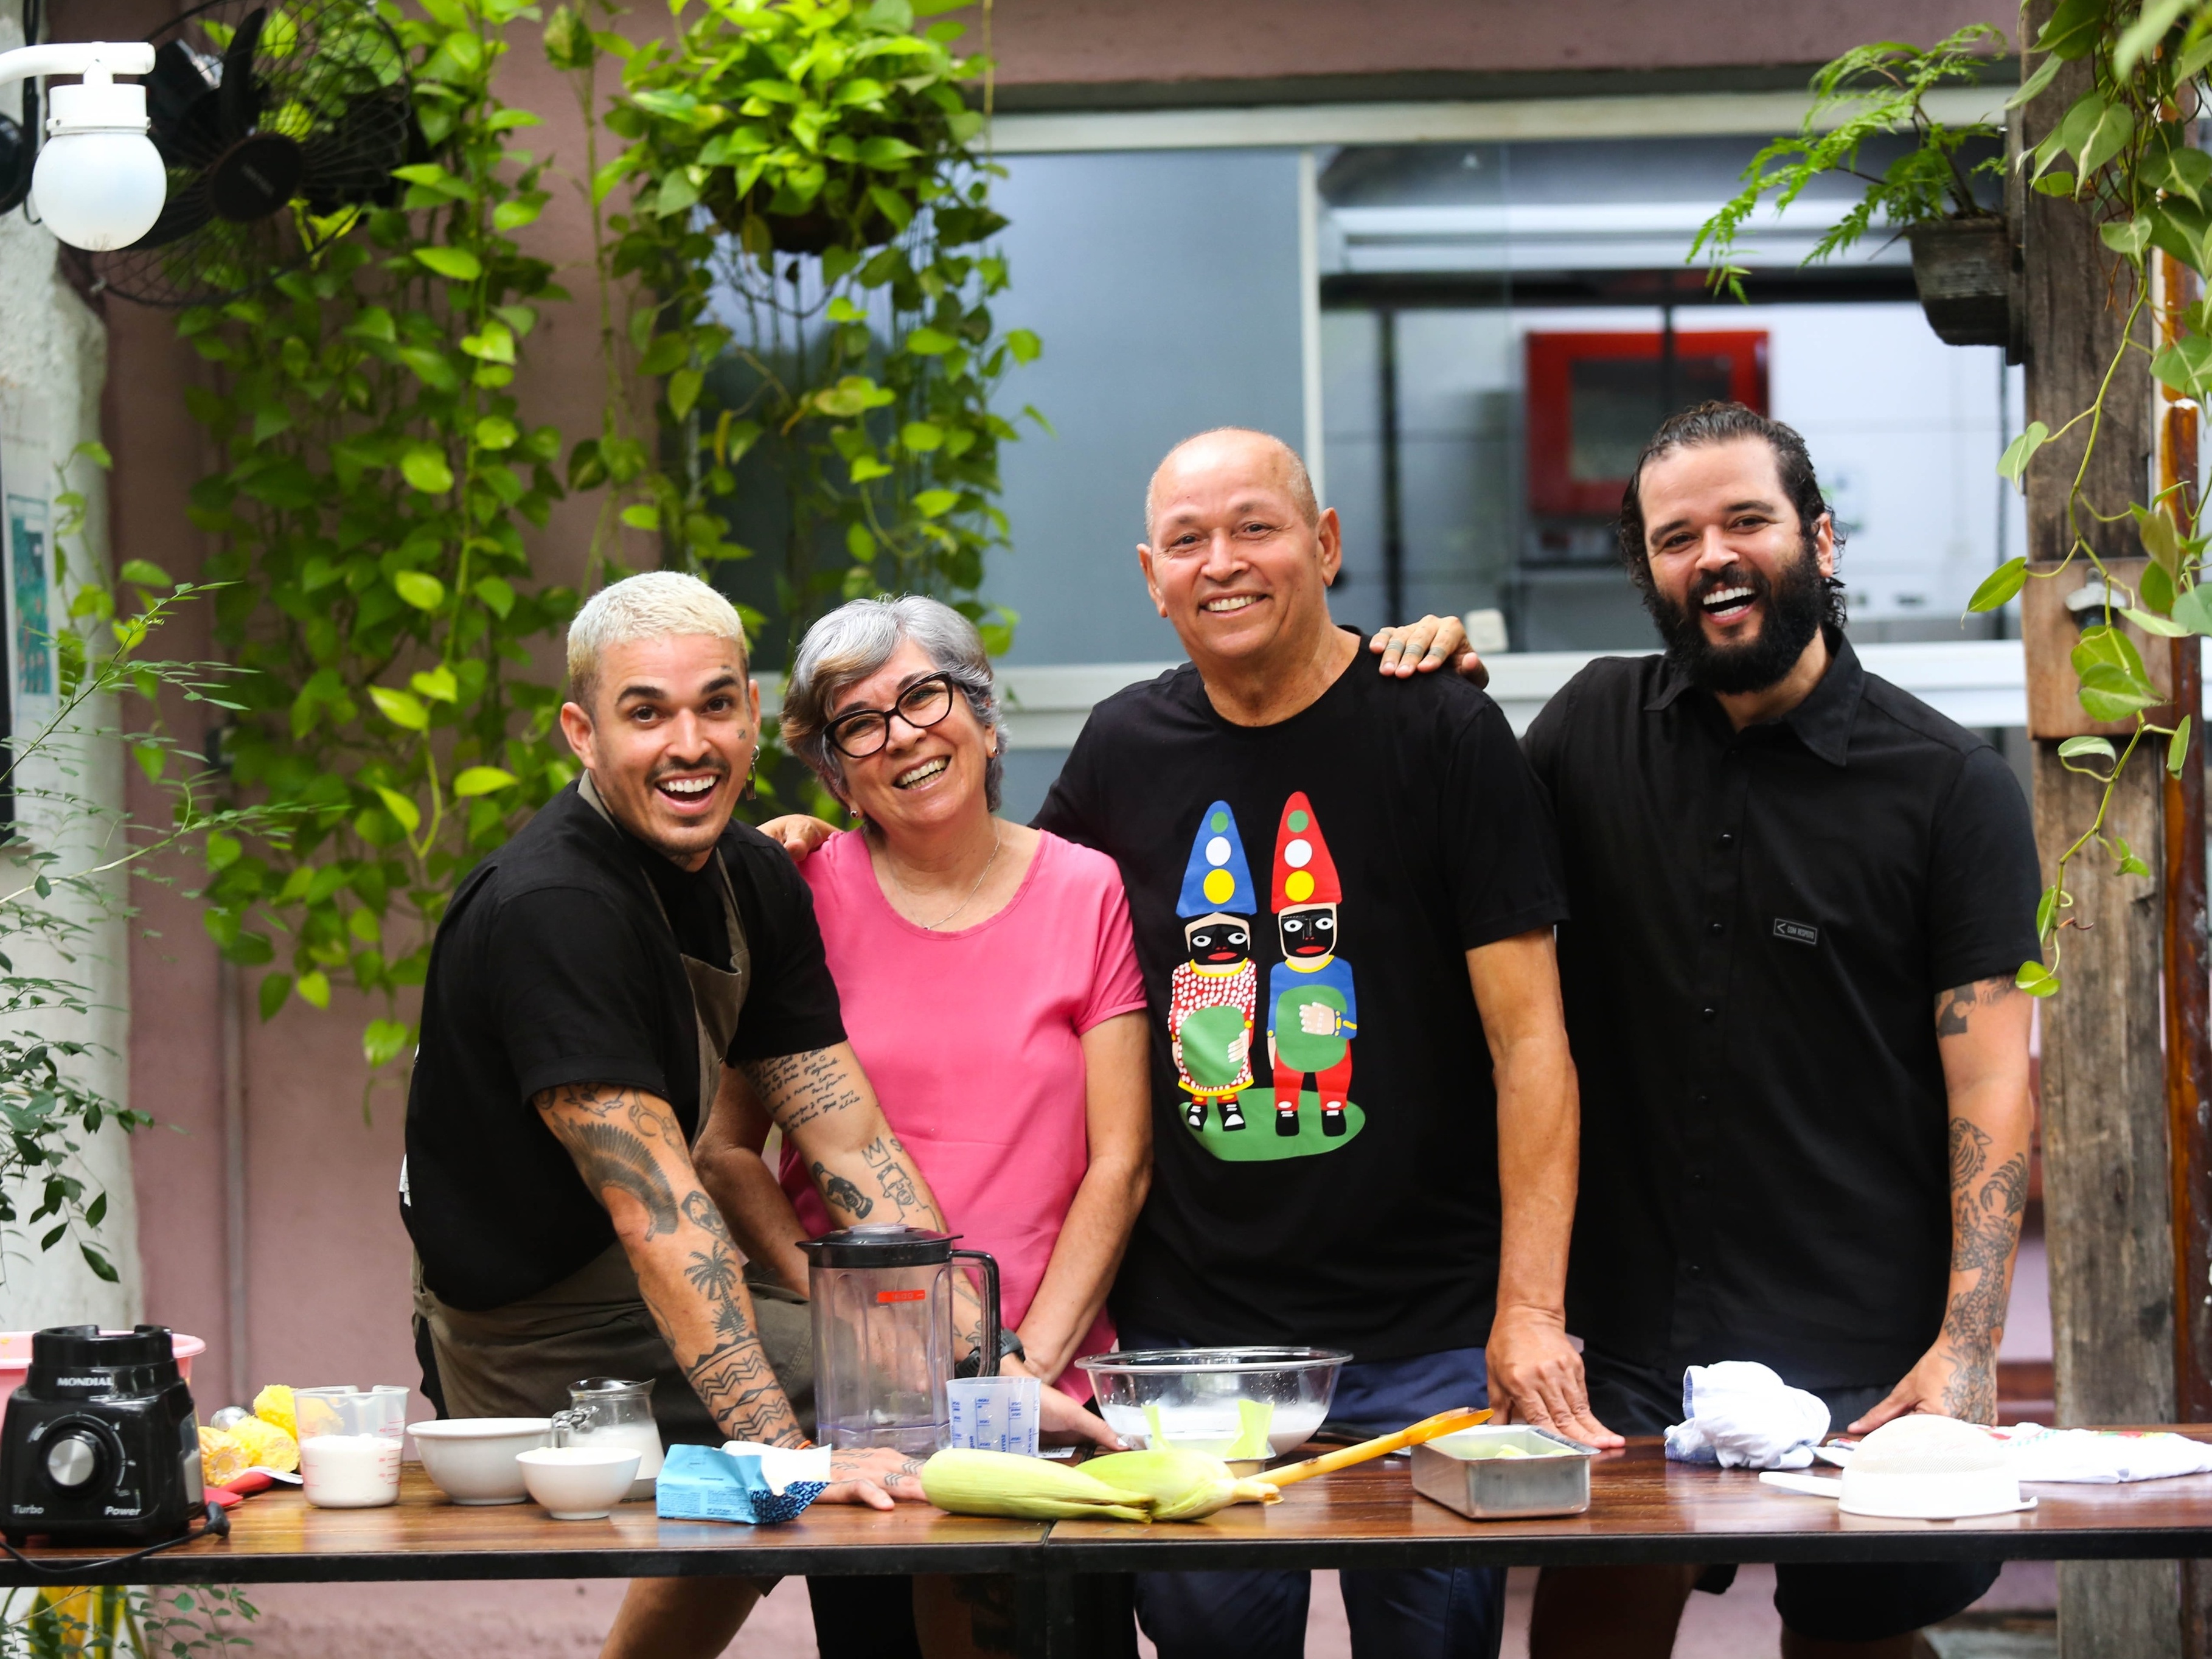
(705, 1483)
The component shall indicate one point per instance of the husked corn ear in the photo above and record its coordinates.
(1183, 1485)
(223, 1456)
(1023, 1488)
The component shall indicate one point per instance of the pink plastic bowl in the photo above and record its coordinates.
(15, 1358)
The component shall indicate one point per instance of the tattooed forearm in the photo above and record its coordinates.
(737, 1385)
(688, 1269)
(798, 1088)
(840, 1194)
(1954, 1008)
(882, 1157)
(1985, 1213)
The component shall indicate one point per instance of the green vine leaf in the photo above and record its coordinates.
(2000, 586)
(2176, 747)
(483, 781)
(2152, 624)
(2073, 30)
(2013, 463)
(383, 1041)
(420, 589)
(2129, 237)
(404, 812)
(425, 468)
(2036, 980)
(457, 264)
(2075, 748)
(2193, 610)
(404, 709)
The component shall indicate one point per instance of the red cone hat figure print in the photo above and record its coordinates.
(1214, 994)
(1312, 1012)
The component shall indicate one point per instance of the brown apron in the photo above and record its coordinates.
(519, 1360)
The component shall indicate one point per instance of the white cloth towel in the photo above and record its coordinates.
(2101, 1456)
(1742, 1415)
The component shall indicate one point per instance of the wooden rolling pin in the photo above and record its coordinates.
(1429, 1428)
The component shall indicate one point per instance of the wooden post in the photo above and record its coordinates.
(2106, 1191)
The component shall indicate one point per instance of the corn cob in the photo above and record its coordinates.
(968, 1482)
(1183, 1485)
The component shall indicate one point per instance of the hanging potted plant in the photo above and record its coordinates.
(799, 126)
(1965, 264)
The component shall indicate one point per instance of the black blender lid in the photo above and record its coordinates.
(87, 1348)
(880, 1247)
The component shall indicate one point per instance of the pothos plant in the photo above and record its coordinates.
(378, 475)
(2121, 154)
(802, 247)
(1869, 94)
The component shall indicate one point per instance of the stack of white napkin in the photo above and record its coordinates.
(1742, 1415)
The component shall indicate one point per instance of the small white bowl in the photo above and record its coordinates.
(578, 1483)
(472, 1459)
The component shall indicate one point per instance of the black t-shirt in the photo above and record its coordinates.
(1763, 921)
(553, 966)
(1403, 812)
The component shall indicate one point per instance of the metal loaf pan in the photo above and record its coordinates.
(1553, 1480)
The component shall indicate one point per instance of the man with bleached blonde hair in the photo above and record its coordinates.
(599, 986)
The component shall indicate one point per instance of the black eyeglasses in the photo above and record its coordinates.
(859, 732)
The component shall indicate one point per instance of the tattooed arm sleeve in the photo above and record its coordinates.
(823, 1102)
(1981, 1032)
(630, 1150)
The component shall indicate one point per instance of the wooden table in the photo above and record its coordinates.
(1642, 1508)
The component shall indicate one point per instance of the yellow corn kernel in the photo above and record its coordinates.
(968, 1482)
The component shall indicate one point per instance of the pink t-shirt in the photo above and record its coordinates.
(973, 1041)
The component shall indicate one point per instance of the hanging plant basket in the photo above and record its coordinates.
(811, 231)
(1965, 272)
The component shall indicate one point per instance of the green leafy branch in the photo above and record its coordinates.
(2121, 153)
(1869, 93)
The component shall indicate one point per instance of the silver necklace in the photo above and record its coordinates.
(997, 842)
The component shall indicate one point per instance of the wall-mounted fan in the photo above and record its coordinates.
(274, 120)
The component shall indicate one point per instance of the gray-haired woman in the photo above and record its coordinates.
(988, 975)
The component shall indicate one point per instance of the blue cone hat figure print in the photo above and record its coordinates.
(1214, 994)
(1312, 1012)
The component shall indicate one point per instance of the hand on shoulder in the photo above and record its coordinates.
(1424, 646)
(798, 834)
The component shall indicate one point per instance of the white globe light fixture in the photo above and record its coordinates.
(99, 183)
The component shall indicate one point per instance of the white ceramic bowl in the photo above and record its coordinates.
(472, 1459)
(578, 1483)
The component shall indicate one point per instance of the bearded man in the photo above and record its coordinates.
(1798, 897)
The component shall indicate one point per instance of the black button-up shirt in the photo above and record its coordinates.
(1762, 922)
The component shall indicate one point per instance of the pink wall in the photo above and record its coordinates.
(1075, 41)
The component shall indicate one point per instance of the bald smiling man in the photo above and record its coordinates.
(1384, 1159)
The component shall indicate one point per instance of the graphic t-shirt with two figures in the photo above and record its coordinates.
(1321, 1024)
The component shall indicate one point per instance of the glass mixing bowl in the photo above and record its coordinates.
(1241, 1404)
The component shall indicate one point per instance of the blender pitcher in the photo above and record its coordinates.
(608, 1411)
(883, 1302)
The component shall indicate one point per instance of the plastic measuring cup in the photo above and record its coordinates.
(349, 1443)
(996, 1413)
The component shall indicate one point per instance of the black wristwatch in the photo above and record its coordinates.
(1010, 1347)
